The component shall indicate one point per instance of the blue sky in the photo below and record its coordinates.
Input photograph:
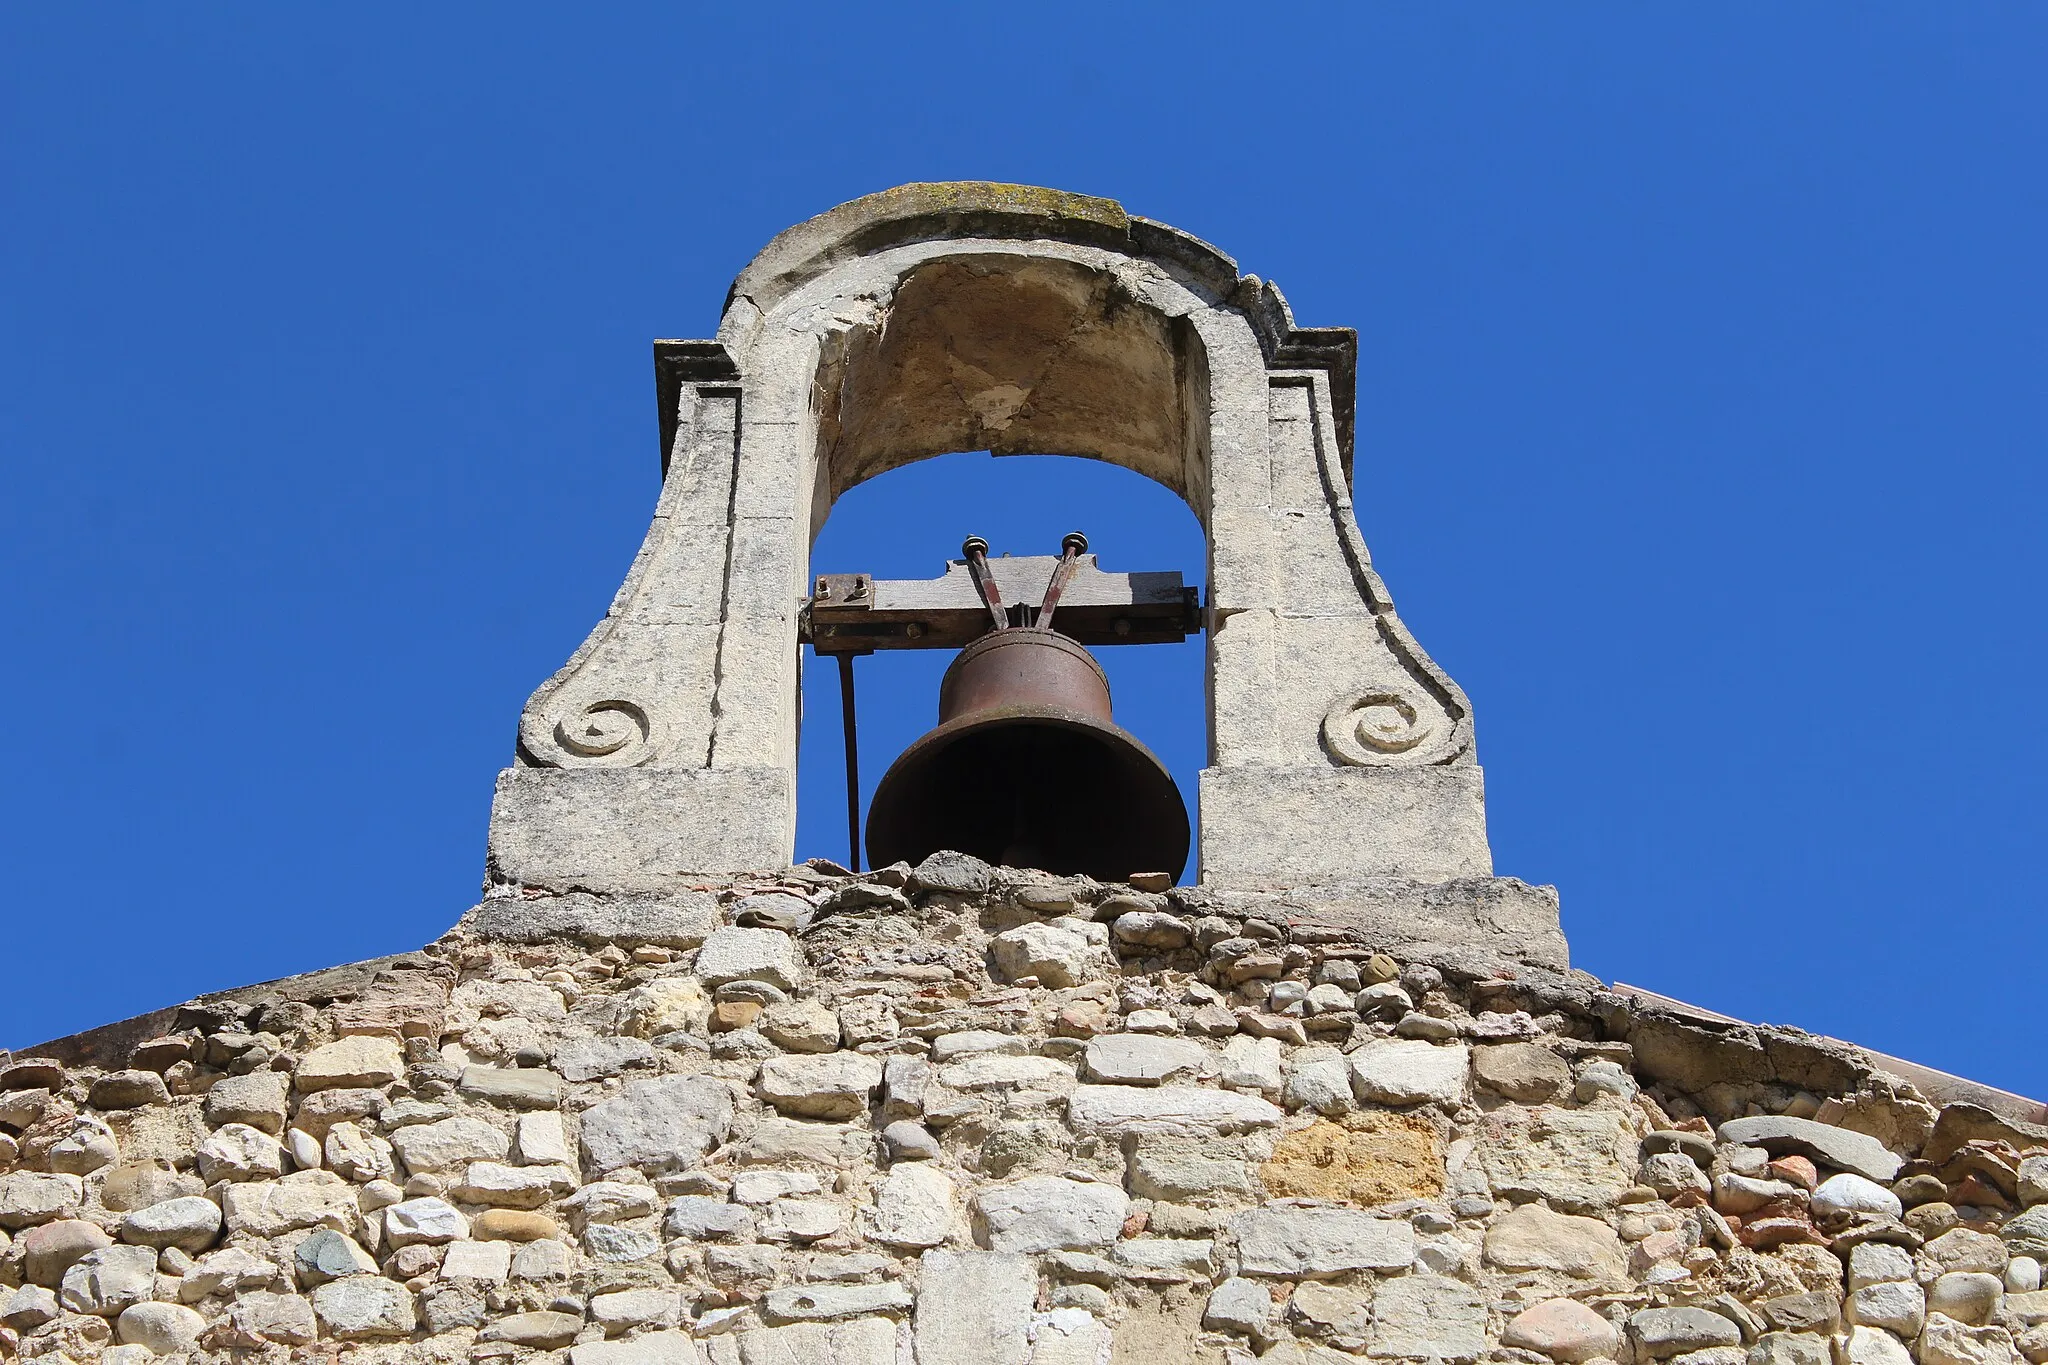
(1701, 435)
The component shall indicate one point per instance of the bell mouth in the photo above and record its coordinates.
(1038, 786)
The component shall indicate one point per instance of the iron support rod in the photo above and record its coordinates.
(846, 721)
(976, 550)
(1072, 546)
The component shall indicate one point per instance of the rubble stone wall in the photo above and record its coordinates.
(960, 1116)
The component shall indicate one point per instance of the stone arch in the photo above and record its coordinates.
(970, 316)
(1015, 355)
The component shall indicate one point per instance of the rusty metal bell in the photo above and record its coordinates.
(1026, 769)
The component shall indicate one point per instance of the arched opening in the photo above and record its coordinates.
(907, 523)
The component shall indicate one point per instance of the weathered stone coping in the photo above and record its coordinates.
(109, 1045)
(1939, 1086)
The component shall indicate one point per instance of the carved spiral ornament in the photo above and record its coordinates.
(1379, 727)
(612, 730)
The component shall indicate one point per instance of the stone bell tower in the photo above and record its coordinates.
(935, 318)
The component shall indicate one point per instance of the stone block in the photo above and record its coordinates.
(1966, 1296)
(1849, 1194)
(1577, 1160)
(702, 1219)
(974, 1307)
(364, 1060)
(624, 1309)
(653, 1348)
(284, 1319)
(1429, 1317)
(2026, 1235)
(1472, 925)
(1250, 1063)
(1368, 1158)
(1118, 1111)
(1533, 1237)
(541, 1140)
(657, 1124)
(189, 1223)
(517, 1087)
(1567, 1330)
(835, 1085)
(1949, 1342)
(1664, 1332)
(1527, 1073)
(106, 1281)
(449, 1144)
(258, 1099)
(1811, 1311)
(364, 1307)
(545, 1329)
(736, 954)
(541, 1257)
(136, 1185)
(1046, 1213)
(1185, 1170)
(915, 1206)
(785, 1142)
(31, 1197)
(238, 1152)
(163, 1328)
(29, 1307)
(399, 1004)
(328, 1255)
(1069, 1336)
(513, 1187)
(858, 1341)
(1137, 1059)
(1967, 1249)
(1874, 1346)
(127, 1090)
(1314, 1241)
(830, 1302)
(1840, 1148)
(1059, 953)
(426, 1220)
(638, 829)
(1878, 1263)
(609, 1244)
(959, 873)
(1410, 1071)
(1239, 1305)
(303, 1199)
(1165, 1260)
(1268, 827)
(1005, 1071)
(1791, 1348)
(231, 1271)
(1318, 1079)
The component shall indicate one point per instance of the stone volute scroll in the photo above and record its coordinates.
(969, 316)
